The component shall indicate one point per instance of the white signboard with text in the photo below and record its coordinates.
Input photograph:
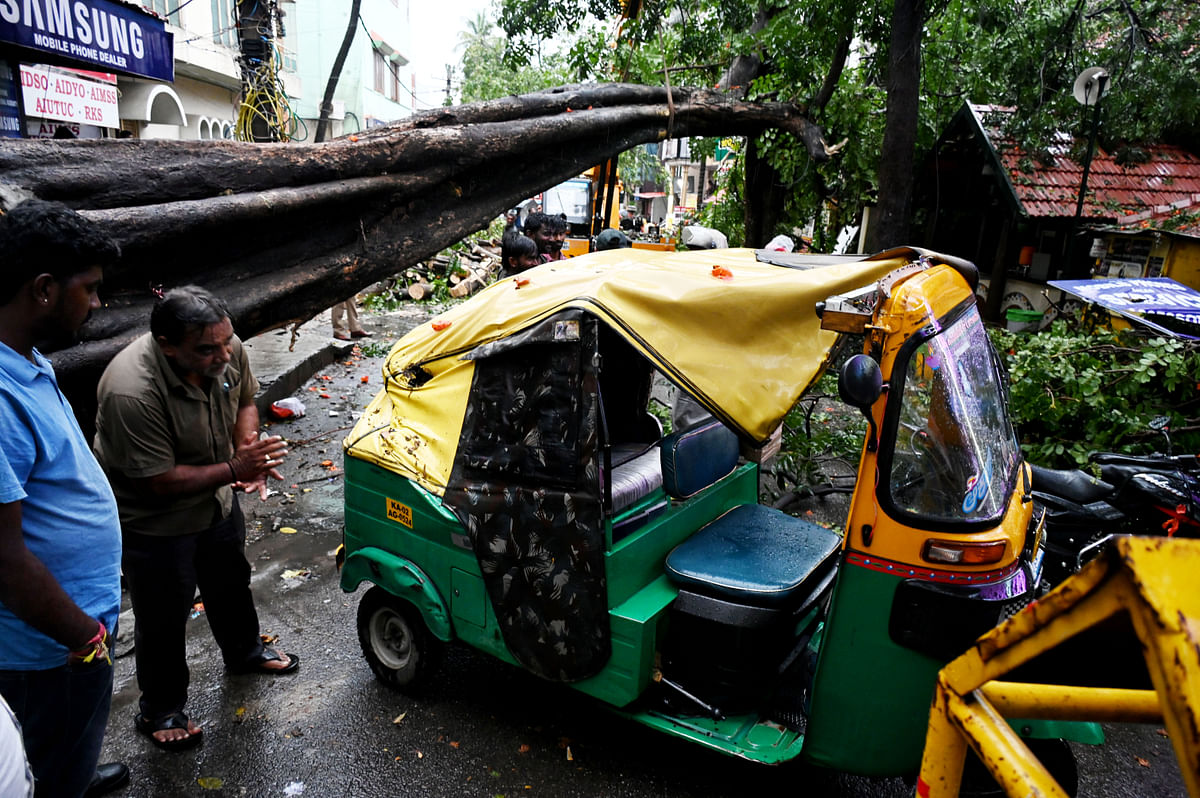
(51, 94)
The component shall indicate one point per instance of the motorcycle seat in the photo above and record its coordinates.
(1153, 462)
(1078, 486)
(754, 555)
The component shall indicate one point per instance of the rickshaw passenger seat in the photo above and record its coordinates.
(636, 474)
(695, 458)
(755, 555)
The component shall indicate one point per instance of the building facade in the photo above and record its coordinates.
(197, 94)
(375, 85)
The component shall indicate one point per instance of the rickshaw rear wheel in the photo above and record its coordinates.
(397, 645)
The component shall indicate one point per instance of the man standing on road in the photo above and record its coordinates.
(60, 541)
(344, 318)
(176, 432)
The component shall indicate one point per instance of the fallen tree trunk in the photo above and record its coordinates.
(282, 231)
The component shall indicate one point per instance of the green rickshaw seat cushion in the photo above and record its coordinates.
(752, 554)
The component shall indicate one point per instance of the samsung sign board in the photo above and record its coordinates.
(98, 33)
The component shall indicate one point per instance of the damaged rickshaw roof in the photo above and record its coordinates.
(742, 336)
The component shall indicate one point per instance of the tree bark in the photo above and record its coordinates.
(889, 222)
(283, 231)
(764, 197)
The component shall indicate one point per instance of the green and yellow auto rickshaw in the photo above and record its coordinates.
(508, 490)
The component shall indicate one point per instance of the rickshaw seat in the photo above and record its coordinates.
(755, 555)
(636, 474)
(695, 458)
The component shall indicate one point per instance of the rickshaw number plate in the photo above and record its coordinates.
(400, 513)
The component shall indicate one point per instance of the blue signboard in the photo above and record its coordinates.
(92, 33)
(1153, 301)
(10, 118)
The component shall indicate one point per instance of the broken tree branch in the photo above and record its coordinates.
(284, 230)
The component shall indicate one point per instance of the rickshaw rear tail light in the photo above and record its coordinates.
(958, 552)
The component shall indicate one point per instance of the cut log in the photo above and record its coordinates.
(281, 230)
(469, 285)
(419, 291)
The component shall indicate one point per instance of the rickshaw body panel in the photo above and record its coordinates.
(917, 302)
(870, 695)
(877, 663)
(744, 736)
(453, 602)
(639, 593)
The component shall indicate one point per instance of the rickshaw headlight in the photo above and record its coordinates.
(957, 552)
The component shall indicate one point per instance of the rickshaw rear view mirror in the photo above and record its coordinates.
(860, 384)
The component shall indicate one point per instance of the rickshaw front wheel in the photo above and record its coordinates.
(395, 641)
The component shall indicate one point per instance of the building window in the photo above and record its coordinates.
(224, 22)
(161, 7)
(691, 184)
(393, 83)
(380, 71)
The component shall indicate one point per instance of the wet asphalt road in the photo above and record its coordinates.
(482, 728)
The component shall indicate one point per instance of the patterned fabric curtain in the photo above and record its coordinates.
(525, 483)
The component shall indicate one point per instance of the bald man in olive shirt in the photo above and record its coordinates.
(177, 432)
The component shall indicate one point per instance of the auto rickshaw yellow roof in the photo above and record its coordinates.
(740, 335)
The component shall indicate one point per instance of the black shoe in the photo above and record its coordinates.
(108, 777)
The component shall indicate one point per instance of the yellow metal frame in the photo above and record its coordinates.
(1153, 579)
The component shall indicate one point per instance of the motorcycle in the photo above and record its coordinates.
(1152, 494)
(509, 491)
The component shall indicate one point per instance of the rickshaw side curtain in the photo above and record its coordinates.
(525, 484)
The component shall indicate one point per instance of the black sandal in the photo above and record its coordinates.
(176, 720)
(255, 664)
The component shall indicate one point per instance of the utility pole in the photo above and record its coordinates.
(449, 74)
(1088, 90)
(259, 118)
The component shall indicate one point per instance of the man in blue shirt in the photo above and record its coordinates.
(60, 539)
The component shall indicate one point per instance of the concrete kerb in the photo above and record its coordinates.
(282, 367)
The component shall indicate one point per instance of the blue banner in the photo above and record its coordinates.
(91, 33)
(10, 117)
(1152, 301)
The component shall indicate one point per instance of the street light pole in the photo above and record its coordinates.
(1089, 88)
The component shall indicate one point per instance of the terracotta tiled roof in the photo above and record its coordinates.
(1134, 195)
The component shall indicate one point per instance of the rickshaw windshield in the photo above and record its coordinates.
(954, 451)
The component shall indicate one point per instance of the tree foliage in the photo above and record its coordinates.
(1074, 391)
(1028, 54)
(1024, 53)
(485, 73)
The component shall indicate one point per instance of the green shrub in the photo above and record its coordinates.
(1075, 391)
(822, 439)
